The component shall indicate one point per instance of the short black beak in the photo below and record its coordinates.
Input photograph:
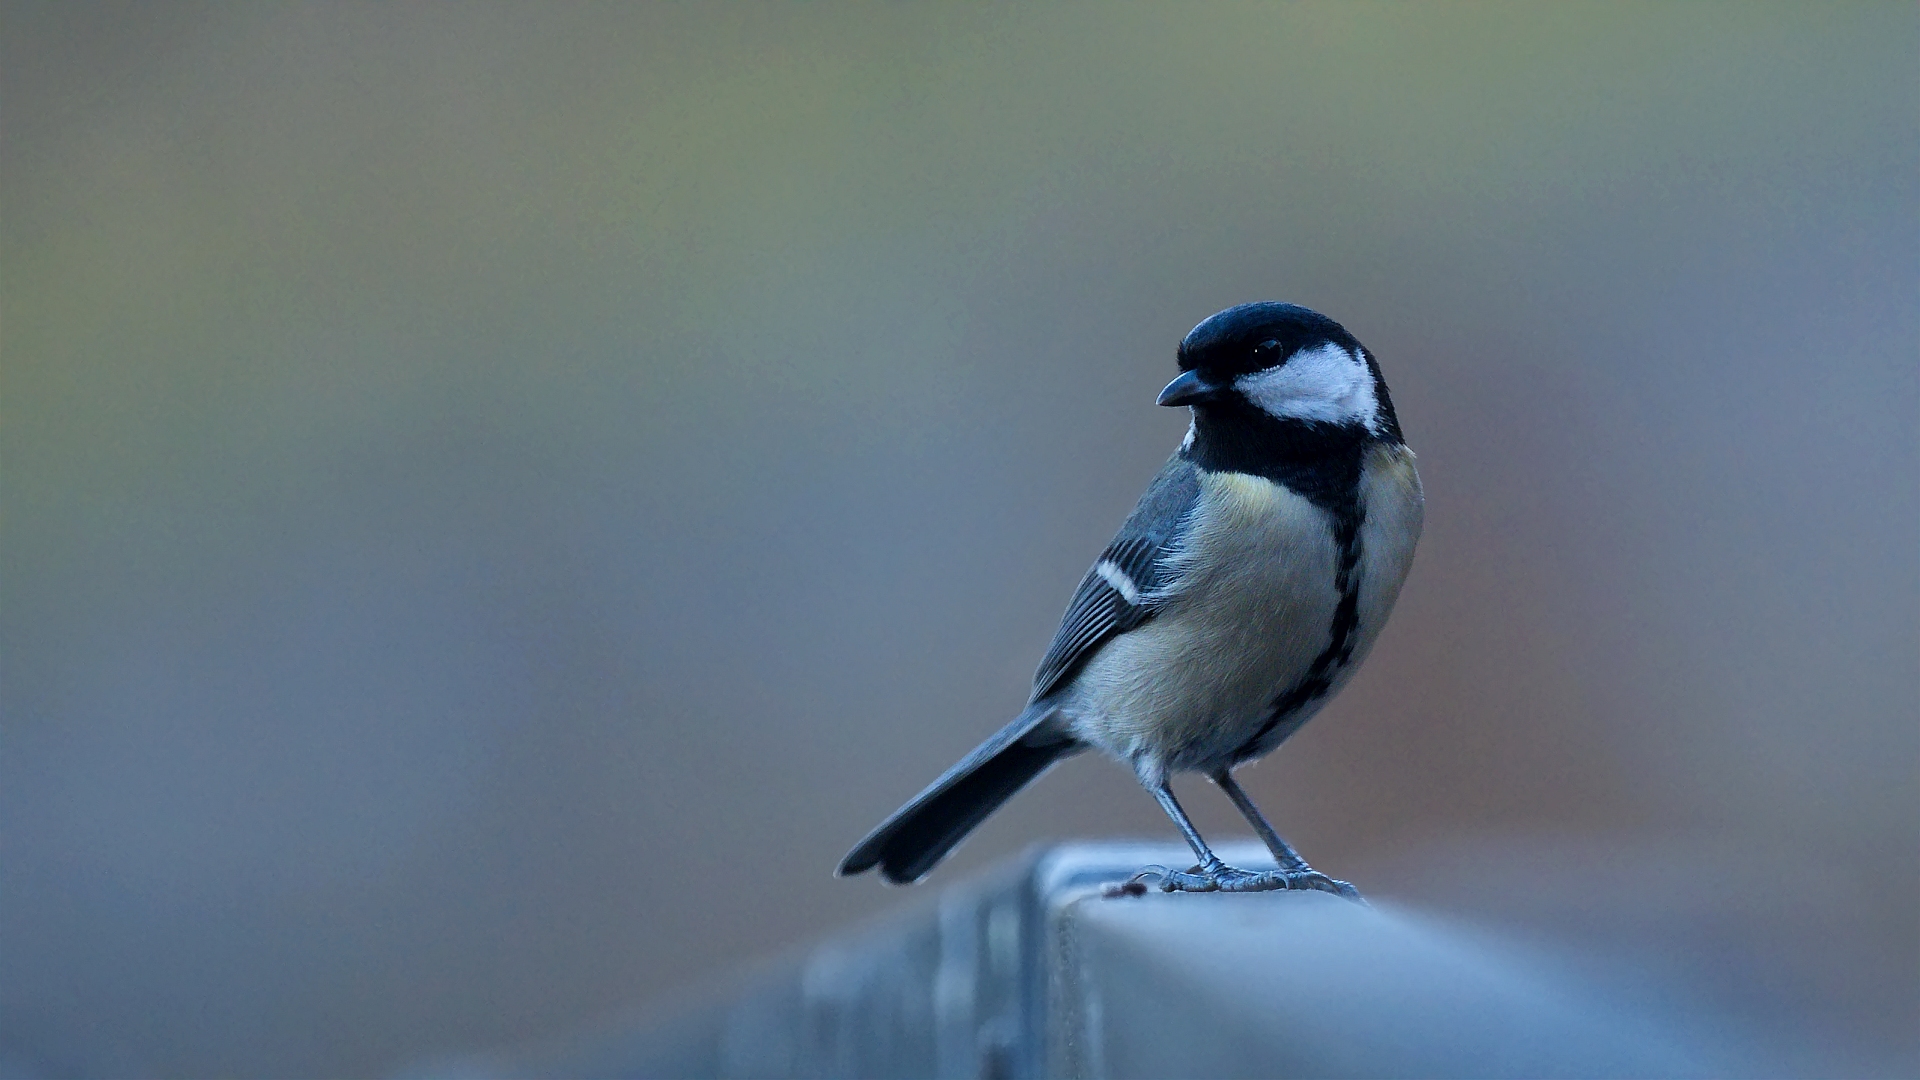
(1187, 389)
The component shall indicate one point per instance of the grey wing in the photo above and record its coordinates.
(1121, 591)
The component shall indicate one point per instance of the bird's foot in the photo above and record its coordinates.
(1223, 878)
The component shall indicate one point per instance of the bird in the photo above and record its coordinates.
(1238, 597)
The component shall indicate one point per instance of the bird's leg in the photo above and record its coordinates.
(1305, 876)
(1208, 869)
(1283, 852)
(1212, 875)
(1203, 877)
(1209, 862)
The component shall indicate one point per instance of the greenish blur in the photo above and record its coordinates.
(495, 499)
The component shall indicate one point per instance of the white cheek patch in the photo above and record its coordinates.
(1327, 384)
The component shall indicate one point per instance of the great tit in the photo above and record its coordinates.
(1238, 597)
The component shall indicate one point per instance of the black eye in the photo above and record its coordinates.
(1266, 351)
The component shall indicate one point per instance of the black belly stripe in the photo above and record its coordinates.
(1321, 463)
(1346, 617)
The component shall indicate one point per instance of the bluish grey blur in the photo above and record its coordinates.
(498, 498)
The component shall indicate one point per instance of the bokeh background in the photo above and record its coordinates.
(498, 498)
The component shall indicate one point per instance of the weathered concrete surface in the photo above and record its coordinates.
(1030, 971)
(1311, 985)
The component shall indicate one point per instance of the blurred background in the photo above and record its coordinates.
(497, 499)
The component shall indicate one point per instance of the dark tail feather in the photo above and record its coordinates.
(920, 834)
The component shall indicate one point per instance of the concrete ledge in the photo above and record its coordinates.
(1029, 971)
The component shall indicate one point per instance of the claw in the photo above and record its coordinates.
(1136, 885)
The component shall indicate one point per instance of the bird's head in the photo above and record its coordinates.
(1270, 362)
